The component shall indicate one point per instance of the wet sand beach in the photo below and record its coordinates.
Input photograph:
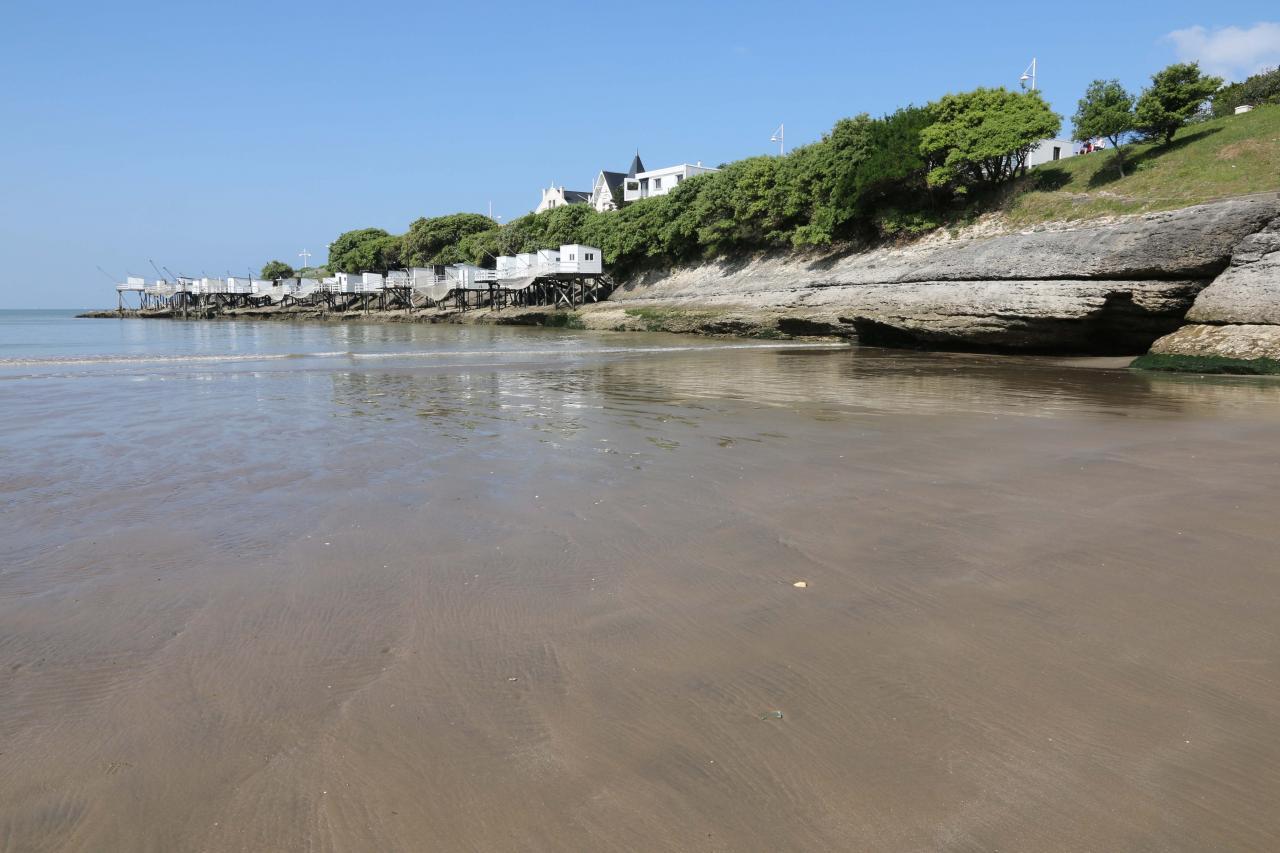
(509, 589)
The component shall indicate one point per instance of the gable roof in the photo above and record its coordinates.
(576, 197)
(612, 180)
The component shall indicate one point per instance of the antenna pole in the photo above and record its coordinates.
(780, 137)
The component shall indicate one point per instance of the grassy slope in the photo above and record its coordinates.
(1232, 156)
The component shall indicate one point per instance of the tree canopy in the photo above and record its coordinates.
(365, 249)
(1176, 94)
(436, 240)
(1105, 111)
(276, 270)
(1261, 88)
(984, 136)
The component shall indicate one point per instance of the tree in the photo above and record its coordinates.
(892, 170)
(1176, 94)
(565, 224)
(366, 249)
(807, 204)
(984, 137)
(481, 248)
(435, 240)
(1106, 111)
(276, 270)
(1261, 88)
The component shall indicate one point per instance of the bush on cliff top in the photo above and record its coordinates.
(1261, 88)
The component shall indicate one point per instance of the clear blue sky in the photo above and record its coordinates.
(216, 136)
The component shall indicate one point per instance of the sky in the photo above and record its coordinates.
(213, 137)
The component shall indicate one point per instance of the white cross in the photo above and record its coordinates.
(306, 256)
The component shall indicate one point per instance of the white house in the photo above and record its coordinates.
(577, 258)
(1050, 150)
(525, 262)
(348, 282)
(371, 282)
(462, 275)
(554, 196)
(548, 260)
(425, 276)
(398, 278)
(606, 192)
(660, 181)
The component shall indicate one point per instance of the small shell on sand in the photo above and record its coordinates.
(801, 584)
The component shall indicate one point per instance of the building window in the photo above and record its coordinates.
(572, 257)
(589, 256)
(633, 185)
(679, 178)
(1057, 152)
(657, 183)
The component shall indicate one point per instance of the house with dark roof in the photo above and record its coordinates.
(606, 193)
(554, 196)
(612, 190)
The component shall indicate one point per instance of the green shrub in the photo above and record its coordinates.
(564, 320)
(1261, 88)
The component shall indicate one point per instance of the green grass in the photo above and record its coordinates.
(667, 319)
(564, 320)
(1208, 364)
(1220, 158)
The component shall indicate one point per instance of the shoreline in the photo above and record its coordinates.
(699, 321)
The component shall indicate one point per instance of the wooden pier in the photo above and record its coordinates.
(557, 290)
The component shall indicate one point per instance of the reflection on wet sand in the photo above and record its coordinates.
(548, 604)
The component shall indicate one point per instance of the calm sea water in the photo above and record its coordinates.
(56, 342)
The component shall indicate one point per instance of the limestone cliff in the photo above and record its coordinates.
(1238, 314)
(1094, 287)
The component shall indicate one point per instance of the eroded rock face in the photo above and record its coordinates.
(1242, 340)
(1249, 290)
(1238, 314)
(1112, 287)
